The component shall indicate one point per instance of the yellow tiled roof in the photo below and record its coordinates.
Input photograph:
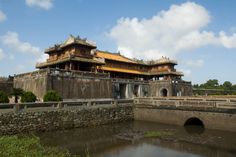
(123, 70)
(132, 71)
(114, 56)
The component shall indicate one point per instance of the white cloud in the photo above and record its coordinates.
(187, 72)
(43, 4)
(168, 33)
(2, 55)
(194, 63)
(42, 58)
(3, 17)
(11, 39)
(228, 41)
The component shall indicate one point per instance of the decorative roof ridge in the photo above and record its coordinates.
(78, 39)
(113, 53)
(70, 40)
(163, 60)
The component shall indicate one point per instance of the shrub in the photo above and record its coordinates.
(52, 96)
(28, 97)
(3, 98)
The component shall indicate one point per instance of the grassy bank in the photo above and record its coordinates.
(157, 134)
(28, 146)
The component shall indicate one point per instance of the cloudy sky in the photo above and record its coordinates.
(200, 34)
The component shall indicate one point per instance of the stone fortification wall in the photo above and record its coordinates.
(80, 85)
(69, 84)
(182, 88)
(128, 88)
(87, 85)
(157, 86)
(48, 119)
(173, 88)
(6, 85)
(35, 82)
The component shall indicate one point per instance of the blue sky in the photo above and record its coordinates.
(200, 34)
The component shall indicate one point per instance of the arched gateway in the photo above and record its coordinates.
(164, 92)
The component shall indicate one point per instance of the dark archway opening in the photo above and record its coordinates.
(164, 92)
(194, 126)
(135, 91)
(122, 91)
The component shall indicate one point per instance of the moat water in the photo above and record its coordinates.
(128, 140)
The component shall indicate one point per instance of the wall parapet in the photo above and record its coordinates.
(189, 103)
(61, 72)
(18, 118)
(38, 106)
(74, 73)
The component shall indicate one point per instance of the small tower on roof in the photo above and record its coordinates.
(73, 54)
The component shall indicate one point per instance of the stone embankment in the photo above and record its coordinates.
(51, 116)
(213, 113)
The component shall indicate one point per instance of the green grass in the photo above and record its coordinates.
(157, 134)
(28, 146)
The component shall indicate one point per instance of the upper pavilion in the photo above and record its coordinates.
(82, 55)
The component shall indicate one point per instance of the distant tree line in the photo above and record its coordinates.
(212, 87)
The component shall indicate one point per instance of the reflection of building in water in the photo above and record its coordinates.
(127, 77)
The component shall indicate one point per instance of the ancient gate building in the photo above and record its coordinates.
(77, 69)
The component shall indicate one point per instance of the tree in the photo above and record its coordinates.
(234, 87)
(52, 96)
(211, 84)
(16, 93)
(227, 85)
(28, 97)
(3, 98)
(196, 86)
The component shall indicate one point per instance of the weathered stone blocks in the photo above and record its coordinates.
(65, 118)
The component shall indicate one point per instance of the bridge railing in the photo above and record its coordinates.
(196, 102)
(22, 107)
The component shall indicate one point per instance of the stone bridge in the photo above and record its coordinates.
(212, 113)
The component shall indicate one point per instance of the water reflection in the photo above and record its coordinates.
(194, 129)
(121, 140)
(146, 150)
(194, 126)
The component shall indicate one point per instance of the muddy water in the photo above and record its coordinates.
(128, 140)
